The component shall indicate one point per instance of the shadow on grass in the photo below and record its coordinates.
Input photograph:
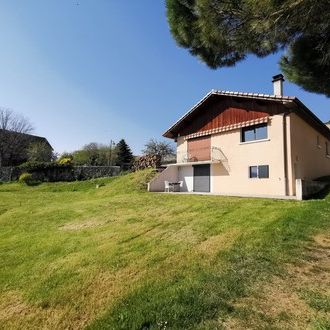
(33, 183)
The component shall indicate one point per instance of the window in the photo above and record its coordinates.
(318, 144)
(327, 149)
(253, 172)
(253, 133)
(261, 172)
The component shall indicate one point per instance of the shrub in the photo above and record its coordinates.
(40, 166)
(26, 178)
(65, 161)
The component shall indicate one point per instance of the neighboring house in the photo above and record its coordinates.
(14, 146)
(253, 144)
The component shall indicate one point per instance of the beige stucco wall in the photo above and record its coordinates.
(235, 178)
(181, 149)
(305, 160)
(309, 161)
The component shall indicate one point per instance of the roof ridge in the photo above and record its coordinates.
(218, 91)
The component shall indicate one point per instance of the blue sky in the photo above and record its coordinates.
(95, 70)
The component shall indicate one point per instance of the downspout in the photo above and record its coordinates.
(285, 154)
(278, 91)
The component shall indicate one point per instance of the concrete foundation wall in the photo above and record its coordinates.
(158, 183)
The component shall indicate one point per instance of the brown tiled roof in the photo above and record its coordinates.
(302, 109)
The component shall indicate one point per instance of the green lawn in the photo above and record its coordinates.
(73, 256)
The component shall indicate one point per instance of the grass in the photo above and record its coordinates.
(317, 300)
(73, 256)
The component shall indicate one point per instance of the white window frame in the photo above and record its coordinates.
(257, 177)
(254, 126)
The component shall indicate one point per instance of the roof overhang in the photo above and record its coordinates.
(228, 127)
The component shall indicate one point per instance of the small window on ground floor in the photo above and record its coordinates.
(260, 171)
(253, 172)
(263, 171)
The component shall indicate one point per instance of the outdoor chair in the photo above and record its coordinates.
(167, 186)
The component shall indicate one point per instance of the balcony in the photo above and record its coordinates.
(201, 155)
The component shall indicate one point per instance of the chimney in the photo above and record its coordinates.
(278, 84)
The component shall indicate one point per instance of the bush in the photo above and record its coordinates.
(40, 166)
(26, 178)
(65, 161)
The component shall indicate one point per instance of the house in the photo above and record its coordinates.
(328, 123)
(14, 146)
(247, 144)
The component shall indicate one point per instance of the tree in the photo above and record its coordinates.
(80, 157)
(124, 155)
(13, 137)
(93, 154)
(65, 155)
(40, 152)
(223, 32)
(159, 148)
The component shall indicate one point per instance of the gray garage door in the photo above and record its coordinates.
(202, 178)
